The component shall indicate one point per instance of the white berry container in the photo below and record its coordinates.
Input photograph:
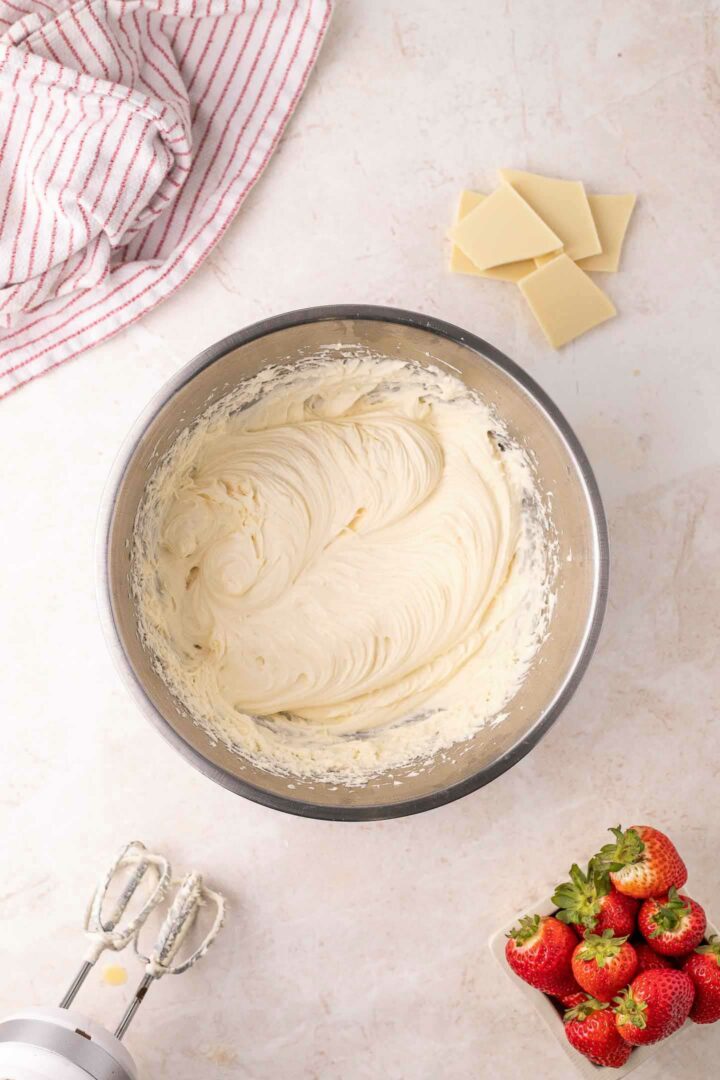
(552, 1017)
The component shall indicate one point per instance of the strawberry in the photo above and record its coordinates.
(540, 951)
(703, 968)
(569, 1001)
(655, 1004)
(603, 964)
(590, 1027)
(589, 902)
(648, 959)
(642, 862)
(674, 924)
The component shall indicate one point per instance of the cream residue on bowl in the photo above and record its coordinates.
(343, 567)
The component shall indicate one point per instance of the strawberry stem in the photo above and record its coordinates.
(579, 898)
(601, 947)
(627, 850)
(528, 928)
(667, 917)
(712, 948)
(631, 1011)
(585, 1009)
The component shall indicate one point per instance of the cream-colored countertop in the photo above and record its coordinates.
(357, 952)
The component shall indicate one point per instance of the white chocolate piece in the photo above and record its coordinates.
(542, 259)
(612, 216)
(503, 229)
(563, 205)
(564, 300)
(459, 262)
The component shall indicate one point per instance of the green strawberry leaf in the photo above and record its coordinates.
(601, 947)
(584, 1009)
(600, 877)
(631, 1011)
(528, 928)
(628, 850)
(712, 948)
(578, 899)
(667, 917)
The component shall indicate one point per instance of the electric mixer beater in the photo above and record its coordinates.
(61, 1044)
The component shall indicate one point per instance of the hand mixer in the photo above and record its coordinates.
(61, 1044)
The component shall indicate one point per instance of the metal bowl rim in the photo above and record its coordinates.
(343, 312)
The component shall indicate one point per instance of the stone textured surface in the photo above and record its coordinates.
(359, 952)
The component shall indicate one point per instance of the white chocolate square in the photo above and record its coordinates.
(503, 229)
(564, 300)
(563, 205)
(612, 216)
(459, 262)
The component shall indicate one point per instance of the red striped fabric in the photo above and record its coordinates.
(130, 133)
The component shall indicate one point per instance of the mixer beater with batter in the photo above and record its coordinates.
(61, 1044)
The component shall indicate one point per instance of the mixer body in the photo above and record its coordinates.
(60, 1044)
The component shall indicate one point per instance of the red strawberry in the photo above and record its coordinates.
(656, 1004)
(540, 951)
(648, 959)
(589, 902)
(642, 862)
(674, 924)
(703, 968)
(569, 1001)
(591, 1029)
(604, 964)
(617, 913)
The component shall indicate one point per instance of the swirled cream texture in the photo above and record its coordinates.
(348, 572)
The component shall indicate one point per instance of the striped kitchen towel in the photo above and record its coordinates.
(130, 133)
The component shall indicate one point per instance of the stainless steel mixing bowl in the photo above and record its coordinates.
(562, 469)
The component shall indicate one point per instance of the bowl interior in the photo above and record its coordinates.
(562, 473)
